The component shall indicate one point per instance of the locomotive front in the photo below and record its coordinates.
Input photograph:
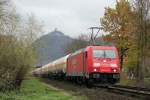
(104, 64)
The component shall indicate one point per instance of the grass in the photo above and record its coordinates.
(33, 89)
(128, 82)
(132, 82)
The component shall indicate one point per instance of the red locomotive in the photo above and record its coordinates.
(93, 64)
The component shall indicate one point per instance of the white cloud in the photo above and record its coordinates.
(70, 16)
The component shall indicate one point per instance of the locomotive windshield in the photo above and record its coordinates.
(104, 53)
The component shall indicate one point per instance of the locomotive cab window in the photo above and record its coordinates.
(103, 53)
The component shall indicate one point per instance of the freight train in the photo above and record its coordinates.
(91, 65)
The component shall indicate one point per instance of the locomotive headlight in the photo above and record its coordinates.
(96, 64)
(95, 70)
(114, 70)
(113, 65)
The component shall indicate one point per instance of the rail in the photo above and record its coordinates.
(129, 90)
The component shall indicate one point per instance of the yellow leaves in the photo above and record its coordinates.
(119, 22)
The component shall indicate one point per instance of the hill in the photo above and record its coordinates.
(51, 46)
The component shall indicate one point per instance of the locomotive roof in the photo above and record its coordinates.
(81, 50)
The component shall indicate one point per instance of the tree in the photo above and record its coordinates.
(17, 54)
(119, 22)
(128, 24)
(143, 10)
(32, 29)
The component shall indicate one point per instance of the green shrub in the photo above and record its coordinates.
(15, 61)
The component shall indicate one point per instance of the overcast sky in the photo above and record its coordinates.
(72, 17)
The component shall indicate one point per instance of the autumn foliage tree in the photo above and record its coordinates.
(118, 22)
(128, 24)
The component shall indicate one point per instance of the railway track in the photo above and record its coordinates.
(128, 90)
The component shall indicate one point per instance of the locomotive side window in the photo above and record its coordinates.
(104, 53)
